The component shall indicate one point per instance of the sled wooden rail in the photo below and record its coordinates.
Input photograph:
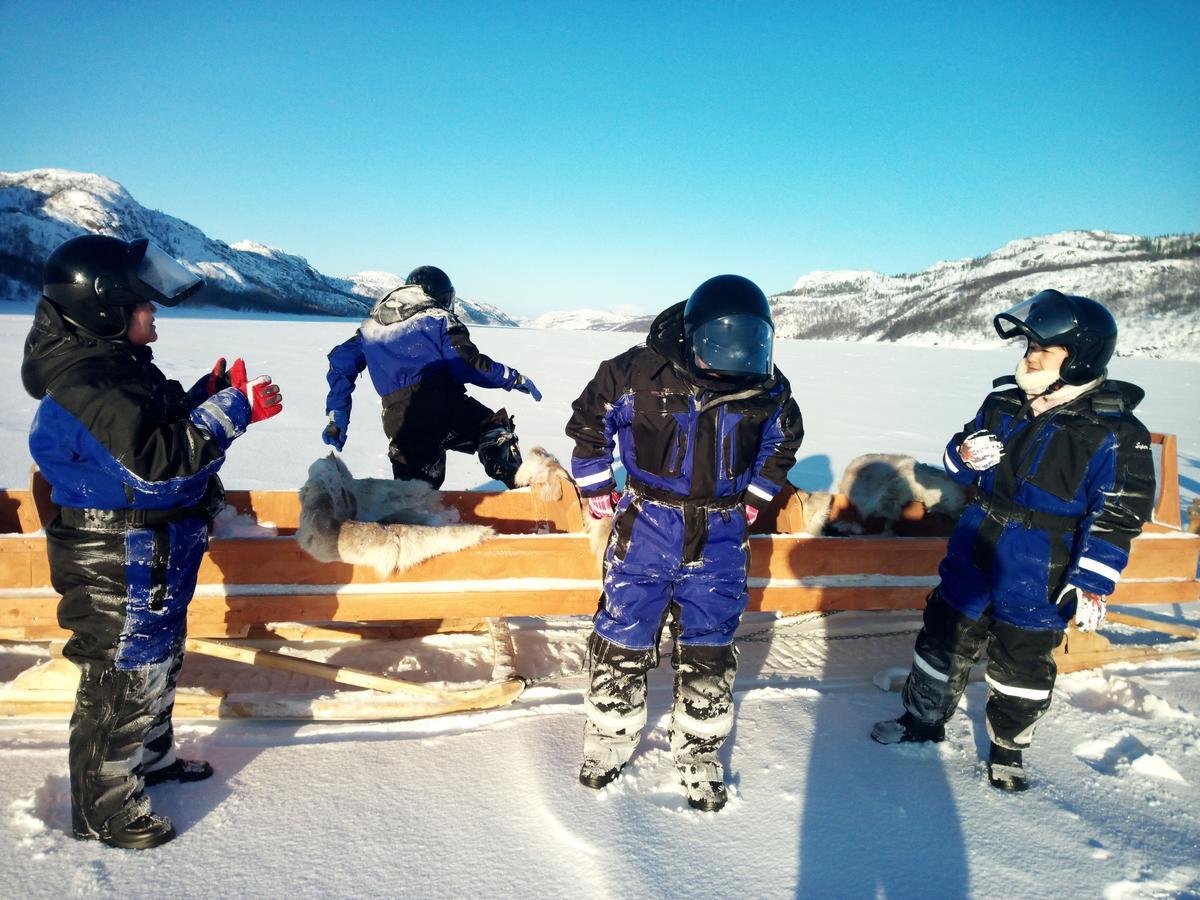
(538, 565)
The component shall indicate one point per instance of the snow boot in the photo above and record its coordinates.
(597, 774)
(616, 709)
(181, 770)
(1006, 769)
(704, 781)
(498, 450)
(906, 730)
(146, 831)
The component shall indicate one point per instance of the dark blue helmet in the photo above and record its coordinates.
(435, 283)
(1052, 319)
(727, 329)
(94, 280)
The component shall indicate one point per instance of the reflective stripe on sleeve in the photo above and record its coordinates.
(1100, 569)
(598, 478)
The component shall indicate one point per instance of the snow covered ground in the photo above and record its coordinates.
(486, 804)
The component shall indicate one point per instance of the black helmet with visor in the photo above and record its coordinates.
(728, 329)
(94, 280)
(435, 283)
(1052, 319)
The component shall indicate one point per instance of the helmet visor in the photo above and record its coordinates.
(1043, 318)
(734, 345)
(164, 278)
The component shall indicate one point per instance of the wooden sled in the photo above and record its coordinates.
(538, 564)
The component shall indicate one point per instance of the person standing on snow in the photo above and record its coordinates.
(420, 357)
(1065, 480)
(132, 462)
(707, 430)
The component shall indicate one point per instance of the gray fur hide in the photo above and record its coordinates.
(881, 484)
(542, 473)
(378, 522)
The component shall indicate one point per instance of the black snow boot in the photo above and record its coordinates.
(907, 730)
(593, 774)
(498, 451)
(1006, 769)
(146, 831)
(181, 770)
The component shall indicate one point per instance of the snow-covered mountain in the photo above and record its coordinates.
(41, 208)
(1152, 286)
(578, 320)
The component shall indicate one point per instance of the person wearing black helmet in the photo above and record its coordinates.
(707, 431)
(420, 358)
(132, 462)
(1064, 480)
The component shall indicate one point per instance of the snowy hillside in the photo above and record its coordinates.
(1152, 285)
(41, 208)
(578, 320)
(487, 804)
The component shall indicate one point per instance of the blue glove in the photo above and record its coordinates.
(335, 432)
(525, 386)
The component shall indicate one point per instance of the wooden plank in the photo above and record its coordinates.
(270, 659)
(1175, 628)
(1167, 509)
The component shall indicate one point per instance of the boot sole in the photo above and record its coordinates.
(706, 805)
(596, 782)
(142, 842)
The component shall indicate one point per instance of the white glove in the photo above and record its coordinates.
(1089, 607)
(981, 450)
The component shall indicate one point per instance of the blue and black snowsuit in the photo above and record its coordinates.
(695, 450)
(419, 357)
(1070, 493)
(132, 461)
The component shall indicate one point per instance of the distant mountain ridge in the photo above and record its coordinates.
(41, 208)
(1152, 284)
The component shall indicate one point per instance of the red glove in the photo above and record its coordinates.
(751, 514)
(265, 398)
(219, 379)
(604, 506)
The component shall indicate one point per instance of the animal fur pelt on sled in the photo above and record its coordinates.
(378, 522)
(815, 508)
(543, 474)
(880, 485)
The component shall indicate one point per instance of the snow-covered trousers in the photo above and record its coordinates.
(125, 594)
(1020, 671)
(701, 717)
(693, 554)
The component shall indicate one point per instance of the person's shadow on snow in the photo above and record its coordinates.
(877, 821)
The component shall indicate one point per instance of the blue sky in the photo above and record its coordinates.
(562, 155)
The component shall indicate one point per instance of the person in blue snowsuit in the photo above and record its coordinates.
(1064, 478)
(132, 460)
(707, 430)
(420, 357)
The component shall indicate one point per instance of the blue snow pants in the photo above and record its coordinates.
(693, 554)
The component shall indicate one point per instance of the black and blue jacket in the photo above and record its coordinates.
(409, 345)
(1063, 505)
(681, 435)
(111, 431)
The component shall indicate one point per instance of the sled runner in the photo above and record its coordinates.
(538, 562)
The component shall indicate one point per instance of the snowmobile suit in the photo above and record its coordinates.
(420, 357)
(695, 451)
(132, 461)
(1068, 496)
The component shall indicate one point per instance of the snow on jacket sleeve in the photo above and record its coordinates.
(346, 362)
(781, 438)
(593, 428)
(952, 462)
(1120, 485)
(468, 365)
